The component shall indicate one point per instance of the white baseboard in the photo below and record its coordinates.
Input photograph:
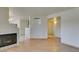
(43, 37)
(70, 45)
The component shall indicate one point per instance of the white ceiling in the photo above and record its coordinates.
(38, 11)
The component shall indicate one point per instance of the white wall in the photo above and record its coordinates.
(69, 26)
(14, 17)
(38, 30)
(5, 27)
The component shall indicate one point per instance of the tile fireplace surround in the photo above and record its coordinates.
(8, 40)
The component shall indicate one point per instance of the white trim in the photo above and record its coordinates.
(38, 37)
(70, 44)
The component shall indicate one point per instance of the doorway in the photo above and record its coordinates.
(54, 27)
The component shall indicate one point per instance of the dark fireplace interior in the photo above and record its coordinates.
(8, 39)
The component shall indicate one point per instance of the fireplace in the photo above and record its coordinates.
(8, 39)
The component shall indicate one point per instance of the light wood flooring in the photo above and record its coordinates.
(42, 45)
